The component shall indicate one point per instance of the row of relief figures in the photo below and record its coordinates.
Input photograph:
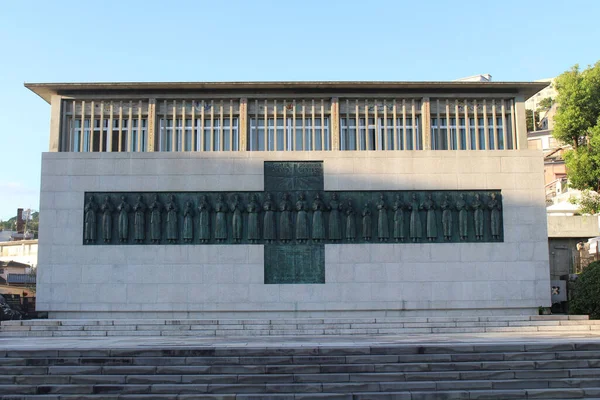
(298, 217)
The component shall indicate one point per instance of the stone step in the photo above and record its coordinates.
(295, 327)
(504, 379)
(384, 371)
(326, 391)
(306, 373)
(452, 395)
(403, 353)
(440, 361)
(326, 366)
(233, 353)
(293, 388)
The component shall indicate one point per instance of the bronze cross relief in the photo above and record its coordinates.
(293, 218)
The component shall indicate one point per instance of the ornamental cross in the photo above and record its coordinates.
(293, 218)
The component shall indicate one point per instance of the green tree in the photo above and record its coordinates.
(545, 104)
(586, 293)
(529, 119)
(577, 122)
(589, 202)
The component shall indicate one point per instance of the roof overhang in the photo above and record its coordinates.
(46, 90)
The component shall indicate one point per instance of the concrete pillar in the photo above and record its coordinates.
(243, 129)
(151, 124)
(521, 122)
(426, 124)
(55, 126)
(335, 124)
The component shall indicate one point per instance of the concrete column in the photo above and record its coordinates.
(521, 122)
(151, 124)
(243, 128)
(55, 126)
(335, 124)
(426, 118)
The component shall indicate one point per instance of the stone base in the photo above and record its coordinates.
(290, 315)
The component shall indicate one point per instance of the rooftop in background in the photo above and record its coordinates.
(6, 235)
(46, 90)
(476, 78)
(14, 264)
(20, 278)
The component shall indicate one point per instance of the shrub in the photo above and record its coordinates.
(589, 203)
(586, 294)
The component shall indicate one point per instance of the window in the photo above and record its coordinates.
(472, 124)
(458, 134)
(196, 137)
(381, 136)
(283, 135)
(82, 139)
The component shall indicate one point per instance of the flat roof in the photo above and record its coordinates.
(46, 90)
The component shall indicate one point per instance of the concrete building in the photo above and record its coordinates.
(421, 169)
(546, 117)
(22, 251)
(566, 228)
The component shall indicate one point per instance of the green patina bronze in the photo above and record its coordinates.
(299, 263)
(294, 217)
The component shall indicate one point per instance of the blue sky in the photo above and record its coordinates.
(75, 41)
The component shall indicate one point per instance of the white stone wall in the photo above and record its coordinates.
(181, 281)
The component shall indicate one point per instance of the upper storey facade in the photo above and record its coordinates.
(286, 116)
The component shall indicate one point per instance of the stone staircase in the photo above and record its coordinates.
(542, 370)
(298, 327)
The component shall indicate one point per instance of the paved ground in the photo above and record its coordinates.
(147, 342)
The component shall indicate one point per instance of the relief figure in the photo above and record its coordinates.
(123, 222)
(107, 209)
(318, 228)
(461, 206)
(171, 207)
(366, 223)
(269, 219)
(221, 219)
(203, 220)
(495, 207)
(285, 223)
(477, 207)
(431, 223)
(350, 222)
(89, 230)
(416, 229)
(302, 232)
(253, 208)
(446, 207)
(383, 230)
(188, 222)
(398, 219)
(155, 220)
(335, 229)
(236, 221)
(139, 220)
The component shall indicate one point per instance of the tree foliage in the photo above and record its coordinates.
(577, 122)
(545, 104)
(586, 294)
(529, 119)
(589, 203)
(32, 224)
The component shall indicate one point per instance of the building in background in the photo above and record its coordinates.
(546, 116)
(476, 78)
(566, 228)
(23, 251)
